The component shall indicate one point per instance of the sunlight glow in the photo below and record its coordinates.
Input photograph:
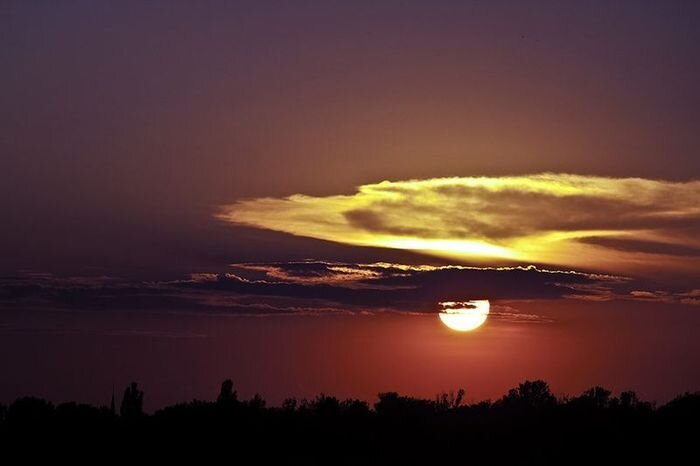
(549, 218)
(451, 247)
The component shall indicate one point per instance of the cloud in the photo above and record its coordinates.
(403, 287)
(645, 247)
(323, 288)
(617, 224)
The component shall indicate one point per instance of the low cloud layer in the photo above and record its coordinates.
(315, 287)
(610, 224)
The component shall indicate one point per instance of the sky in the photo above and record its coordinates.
(283, 193)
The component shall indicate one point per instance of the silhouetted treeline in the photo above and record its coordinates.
(528, 425)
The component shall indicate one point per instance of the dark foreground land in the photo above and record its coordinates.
(526, 426)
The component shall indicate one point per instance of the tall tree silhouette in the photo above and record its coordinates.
(227, 396)
(132, 402)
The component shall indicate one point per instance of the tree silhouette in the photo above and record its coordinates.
(289, 404)
(530, 394)
(132, 402)
(595, 397)
(326, 405)
(227, 396)
(629, 399)
(526, 426)
(445, 401)
(29, 411)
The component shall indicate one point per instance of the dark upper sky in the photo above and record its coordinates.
(126, 124)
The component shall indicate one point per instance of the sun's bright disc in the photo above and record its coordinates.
(466, 315)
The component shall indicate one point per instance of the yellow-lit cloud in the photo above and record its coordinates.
(563, 219)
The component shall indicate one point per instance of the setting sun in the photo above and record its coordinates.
(464, 316)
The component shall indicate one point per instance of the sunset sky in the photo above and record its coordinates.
(284, 193)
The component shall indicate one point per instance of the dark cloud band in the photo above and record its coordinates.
(316, 287)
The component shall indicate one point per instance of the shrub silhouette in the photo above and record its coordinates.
(29, 412)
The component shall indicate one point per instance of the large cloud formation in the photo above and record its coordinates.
(617, 224)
